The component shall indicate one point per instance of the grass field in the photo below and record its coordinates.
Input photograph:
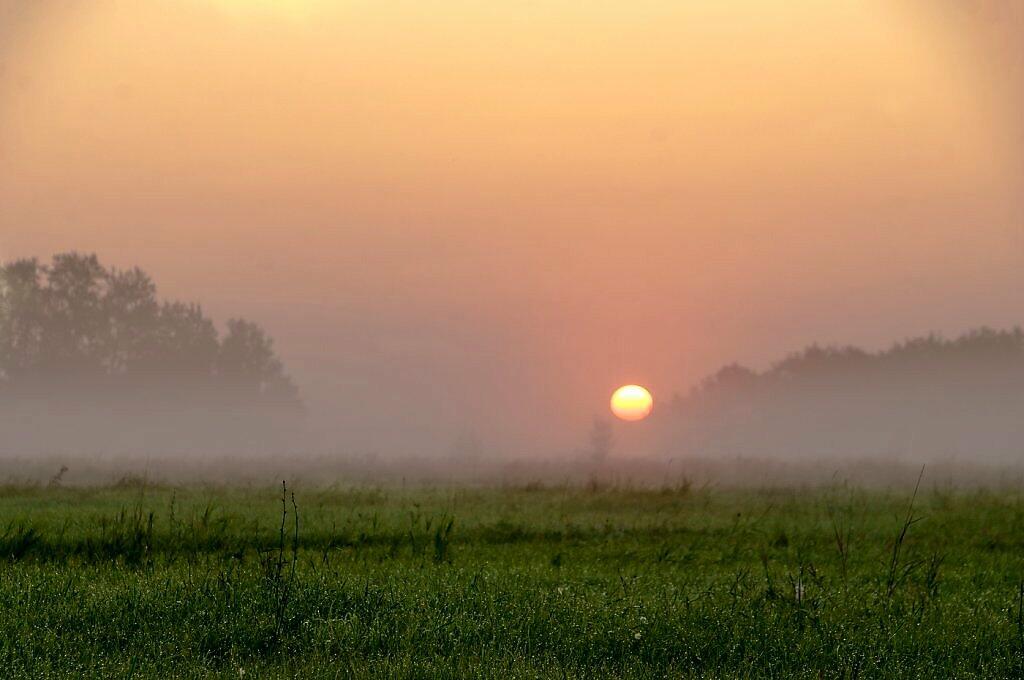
(519, 582)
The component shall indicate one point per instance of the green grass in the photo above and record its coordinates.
(563, 582)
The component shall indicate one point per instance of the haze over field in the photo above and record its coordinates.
(476, 219)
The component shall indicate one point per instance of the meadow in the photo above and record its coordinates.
(142, 580)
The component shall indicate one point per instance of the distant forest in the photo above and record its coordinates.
(925, 398)
(82, 346)
(92, 361)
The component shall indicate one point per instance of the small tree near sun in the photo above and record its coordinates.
(602, 438)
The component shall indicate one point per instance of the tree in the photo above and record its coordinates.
(923, 396)
(76, 321)
(185, 342)
(247, 363)
(133, 316)
(75, 336)
(21, 319)
(602, 439)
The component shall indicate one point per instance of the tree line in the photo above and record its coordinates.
(78, 338)
(926, 397)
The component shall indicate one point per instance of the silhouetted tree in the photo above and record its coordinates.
(247, 363)
(132, 320)
(602, 438)
(76, 331)
(75, 335)
(185, 342)
(923, 397)
(22, 325)
(467, 448)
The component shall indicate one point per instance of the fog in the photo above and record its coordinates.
(464, 224)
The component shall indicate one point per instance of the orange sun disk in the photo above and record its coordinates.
(632, 402)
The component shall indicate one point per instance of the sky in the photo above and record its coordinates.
(483, 217)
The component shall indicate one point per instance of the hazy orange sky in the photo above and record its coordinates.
(486, 215)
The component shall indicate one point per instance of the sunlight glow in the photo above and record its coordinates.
(632, 402)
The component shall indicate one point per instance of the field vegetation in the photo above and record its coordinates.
(137, 580)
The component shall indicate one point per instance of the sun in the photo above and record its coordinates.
(632, 402)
